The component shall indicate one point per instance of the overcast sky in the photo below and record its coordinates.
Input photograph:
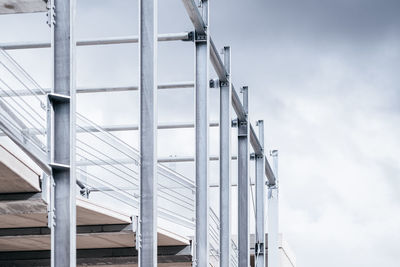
(324, 75)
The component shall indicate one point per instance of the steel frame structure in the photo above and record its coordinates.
(61, 162)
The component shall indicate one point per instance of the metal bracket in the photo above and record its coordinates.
(252, 156)
(191, 36)
(274, 186)
(200, 37)
(243, 129)
(259, 248)
(58, 98)
(214, 83)
(59, 167)
(234, 123)
(85, 192)
(273, 153)
(223, 84)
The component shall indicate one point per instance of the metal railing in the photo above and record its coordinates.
(106, 165)
(234, 254)
(111, 170)
(23, 116)
(214, 225)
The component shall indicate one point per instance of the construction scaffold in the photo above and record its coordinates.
(75, 153)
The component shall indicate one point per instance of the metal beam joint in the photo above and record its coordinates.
(200, 37)
(243, 129)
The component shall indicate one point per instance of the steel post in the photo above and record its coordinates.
(61, 19)
(148, 133)
(273, 216)
(224, 164)
(202, 49)
(260, 200)
(243, 186)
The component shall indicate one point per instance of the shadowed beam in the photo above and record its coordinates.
(97, 257)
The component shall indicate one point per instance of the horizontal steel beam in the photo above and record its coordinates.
(121, 128)
(134, 127)
(232, 185)
(80, 229)
(100, 189)
(134, 88)
(87, 90)
(20, 196)
(188, 159)
(182, 36)
(129, 161)
(96, 257)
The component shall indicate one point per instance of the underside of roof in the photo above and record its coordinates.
(22, 6)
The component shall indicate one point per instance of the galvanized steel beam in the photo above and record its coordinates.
(202, 52)
(243, 187)
(131, 161)
(273, 216)
(260, 200)
(182, 36)
(110, 89)
(62, 14)
(148, 133)
(195, 16)
(255, 142)
(224, 165)
(269, 173)
(113, 128)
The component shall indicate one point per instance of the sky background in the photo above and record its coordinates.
(324, 76)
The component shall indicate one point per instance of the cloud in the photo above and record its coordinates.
(324, 77)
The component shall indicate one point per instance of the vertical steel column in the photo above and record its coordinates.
(224, 163)
(243, 186)
(202, 48)
(260, 200)
(62, 99)
(273, 216)
(148, 132)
